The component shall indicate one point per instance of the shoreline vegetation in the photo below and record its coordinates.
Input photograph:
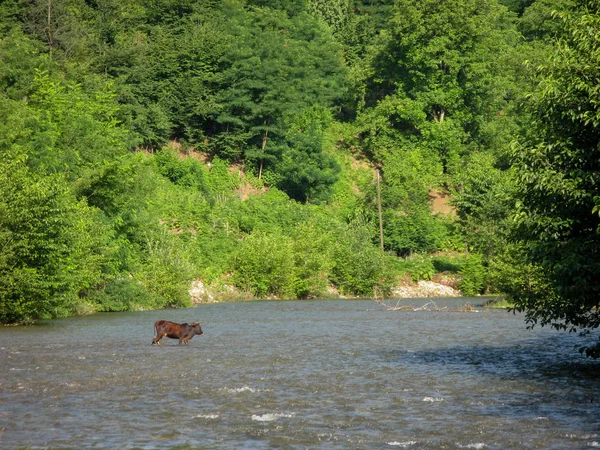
(200, 293)
(299, 149)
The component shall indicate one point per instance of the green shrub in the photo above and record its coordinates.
(418, 231)
(264, 264)
(167, 271)
(51, 246)
(183, 172)
(359, 267)
(211, 251)
(474, 275)
(449, 263)
(313, 255)
(417, 266)
(513, 275)
(124, 294)
(270, 212)
(219, 180)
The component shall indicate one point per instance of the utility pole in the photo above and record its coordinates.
(379, 209)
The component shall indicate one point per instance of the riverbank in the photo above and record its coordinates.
(201, 293)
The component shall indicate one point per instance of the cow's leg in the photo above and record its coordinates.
(156, 340)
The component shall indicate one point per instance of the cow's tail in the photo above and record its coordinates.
(155, 334)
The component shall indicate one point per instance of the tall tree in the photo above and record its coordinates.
(275, 68)
(74, 129)
(52, 246)
(306, 172)
(452, 60)
(63, 25)
(558, 173)
(333, 13)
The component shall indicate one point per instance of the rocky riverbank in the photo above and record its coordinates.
(201, 293)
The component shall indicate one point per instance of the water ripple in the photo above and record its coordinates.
(313, 374)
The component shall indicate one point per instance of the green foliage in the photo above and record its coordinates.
(408, 224)
(124, 294)
(167, 271)
(483, 197)
(359, 268)
(181, 170)
(20, 56)
(270, 212)
(418, 266)
(264, 265)
(306, 172)
(276, 67)
(334, 13)
(449, 263)
(51, 244)
(284, 111)
(219, 180)
(539, 22)
(522, 281)
(355, 181)
(473, 276)
(121, 189)
(441, 71)
(557, 173)
(211, 251)
(74, 130)
(313, 258)
(61, 26)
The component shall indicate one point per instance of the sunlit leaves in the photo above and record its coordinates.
(558, 178)
(74, 129)
(52, 245)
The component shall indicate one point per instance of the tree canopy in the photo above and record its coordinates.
(557, 179)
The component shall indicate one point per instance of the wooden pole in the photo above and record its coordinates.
(379, 210)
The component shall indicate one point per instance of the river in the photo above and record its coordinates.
(298, 374)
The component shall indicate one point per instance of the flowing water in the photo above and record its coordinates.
(301, 374)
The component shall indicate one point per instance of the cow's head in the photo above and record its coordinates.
(197, 329)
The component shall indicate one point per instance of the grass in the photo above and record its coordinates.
(498, 302)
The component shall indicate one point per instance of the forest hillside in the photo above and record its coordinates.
(295, 149)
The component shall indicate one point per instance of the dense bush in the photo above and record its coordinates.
(167, 270)
(180, 170)
(51, 245)
(417, 266)
(359, 267)
(473, 276)
(264, 265)
(313, 247)
(124, 294)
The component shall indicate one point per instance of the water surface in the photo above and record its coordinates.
(302, 374)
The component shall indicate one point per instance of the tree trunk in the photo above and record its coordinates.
(49, 27)
(262, 148)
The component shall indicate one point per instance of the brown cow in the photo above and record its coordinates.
(182, 331)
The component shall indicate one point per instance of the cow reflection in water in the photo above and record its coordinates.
(182, 331)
